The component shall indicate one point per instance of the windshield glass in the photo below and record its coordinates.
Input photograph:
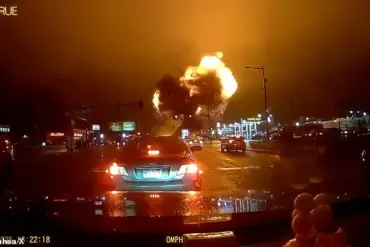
(181, 108)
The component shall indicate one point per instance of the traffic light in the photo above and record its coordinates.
(141, 104)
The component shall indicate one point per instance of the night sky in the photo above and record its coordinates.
(316, 53)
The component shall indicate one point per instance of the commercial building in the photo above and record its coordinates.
(5, 141)
(349, 123)
(247, 127)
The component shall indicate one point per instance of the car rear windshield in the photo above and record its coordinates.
(165, 146)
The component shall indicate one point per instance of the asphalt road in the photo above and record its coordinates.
(223, 172)
(259, 171)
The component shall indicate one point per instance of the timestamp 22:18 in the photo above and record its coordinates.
(36, 239)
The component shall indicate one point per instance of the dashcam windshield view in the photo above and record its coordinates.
(184, 123)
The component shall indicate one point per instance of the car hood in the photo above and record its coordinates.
(114, 211)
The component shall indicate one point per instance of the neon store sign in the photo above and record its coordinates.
(57, 134)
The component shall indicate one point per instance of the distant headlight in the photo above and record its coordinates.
(190, 142)
(153, 152)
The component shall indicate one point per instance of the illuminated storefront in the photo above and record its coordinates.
(78, 136)
(246, 127)
(4, 128)
(56, 138)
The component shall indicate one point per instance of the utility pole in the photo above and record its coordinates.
(70, 133)
(38, 122)
(209, 126)
(265, 101)
(292, 108)
(265, 97)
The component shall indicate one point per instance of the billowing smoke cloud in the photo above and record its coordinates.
(202, 90)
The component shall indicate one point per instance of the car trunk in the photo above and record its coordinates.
(154, 169)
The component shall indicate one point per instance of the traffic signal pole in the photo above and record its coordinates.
(265, 97)
(265, 102)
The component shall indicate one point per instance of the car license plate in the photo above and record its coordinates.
(152, 173)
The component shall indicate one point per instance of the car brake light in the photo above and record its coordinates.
(115, 169)
(190, 168)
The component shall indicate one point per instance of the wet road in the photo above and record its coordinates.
(259, 171)
(223, 172)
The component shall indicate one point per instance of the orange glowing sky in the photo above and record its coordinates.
(307, 47)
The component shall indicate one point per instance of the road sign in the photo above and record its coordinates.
(122, 126)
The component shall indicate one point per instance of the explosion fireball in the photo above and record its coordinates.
(202, 90)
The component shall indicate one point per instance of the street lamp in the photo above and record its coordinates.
(265, 95)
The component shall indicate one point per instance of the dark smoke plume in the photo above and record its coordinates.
(175, 94)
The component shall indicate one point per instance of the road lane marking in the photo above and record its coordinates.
(228, 164)
(228, 160)
(230, 168)
(237, 168)
(223, 164)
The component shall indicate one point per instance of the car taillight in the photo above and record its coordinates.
(190, 168)
(115, 169)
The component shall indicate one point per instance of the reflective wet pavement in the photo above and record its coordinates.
(223, 173)
(65, 187)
